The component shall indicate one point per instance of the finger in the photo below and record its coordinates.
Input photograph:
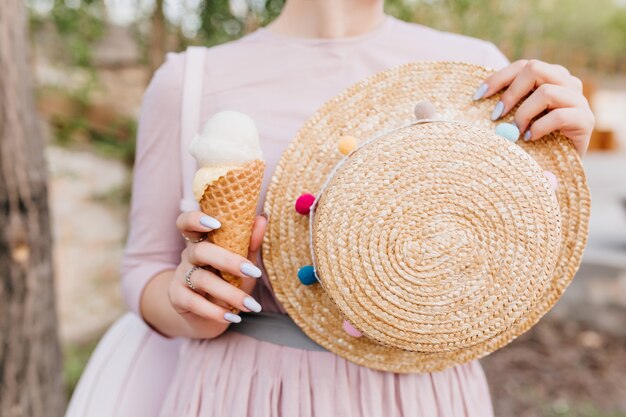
(194, 224)
(258, 231)
(553, 121)
(205, 253)
(500, 79)
(572, 122)
(546, 97)
(256, 239)
(534, 74)
(185, 301)
(223, 291)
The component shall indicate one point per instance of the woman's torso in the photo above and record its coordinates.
(280, 81)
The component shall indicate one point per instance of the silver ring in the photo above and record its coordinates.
(200, 239)
(188, 276)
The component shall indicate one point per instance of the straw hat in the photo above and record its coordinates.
(426, 243)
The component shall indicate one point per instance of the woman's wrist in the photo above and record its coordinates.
(154, 306)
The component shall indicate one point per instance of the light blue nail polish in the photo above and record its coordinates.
(527, 135)
(480, 92)
(250, 270)
(497, 111)
(210, 222)
(251, 304)
(508, 131)
(233, 318)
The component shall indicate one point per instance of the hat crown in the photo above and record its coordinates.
(417, 247)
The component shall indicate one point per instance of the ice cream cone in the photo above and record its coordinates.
(232, 199)
(228, 181)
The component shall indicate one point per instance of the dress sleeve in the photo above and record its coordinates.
(154, 243)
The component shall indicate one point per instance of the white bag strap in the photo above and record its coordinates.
(190, 121)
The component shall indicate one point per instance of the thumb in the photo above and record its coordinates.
(256, 239)
(258, 231)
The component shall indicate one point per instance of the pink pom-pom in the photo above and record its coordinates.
(554, 183)
(304, 203)
(350, 329)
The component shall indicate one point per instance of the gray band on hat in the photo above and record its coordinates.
(274, 328)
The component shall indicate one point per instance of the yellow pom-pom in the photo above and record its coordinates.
(347, 144)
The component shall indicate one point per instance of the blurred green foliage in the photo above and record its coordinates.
(582, 410)
(575, 33)
(542, 28)
(73, 123)
(79, 23)
(219, 24)
(572, 32)
(116, 141)
(75, 357)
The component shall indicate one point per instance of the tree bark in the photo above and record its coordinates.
(31, 383)
(158, 38)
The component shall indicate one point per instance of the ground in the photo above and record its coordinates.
(559, 368)
(89, 217)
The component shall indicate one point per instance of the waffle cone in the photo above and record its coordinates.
(232, 199)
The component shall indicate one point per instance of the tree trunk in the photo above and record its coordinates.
(31, 382)
(158, 38)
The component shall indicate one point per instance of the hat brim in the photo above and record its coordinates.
(379, 103)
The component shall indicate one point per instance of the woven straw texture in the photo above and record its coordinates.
(382, 103)
(232, 199)
(429, 251)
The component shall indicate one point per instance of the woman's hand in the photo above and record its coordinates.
(553, 89)
(206, 310)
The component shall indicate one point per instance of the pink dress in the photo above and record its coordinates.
(279, 81)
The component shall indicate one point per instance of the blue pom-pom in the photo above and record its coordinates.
(306, 275)
(508, 131)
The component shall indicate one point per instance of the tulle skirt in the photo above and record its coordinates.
(236, 375)
(128, 374)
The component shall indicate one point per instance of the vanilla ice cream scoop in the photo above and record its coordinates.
(228, 138)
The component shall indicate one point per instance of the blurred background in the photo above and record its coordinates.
(92, 60)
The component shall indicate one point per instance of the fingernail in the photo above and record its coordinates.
(508, 131)
(233, 318)
(527, 135)
(266, 215)
(497, 111)
(480, 92)
(250, 270)
(210, 222)
(251, 304)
